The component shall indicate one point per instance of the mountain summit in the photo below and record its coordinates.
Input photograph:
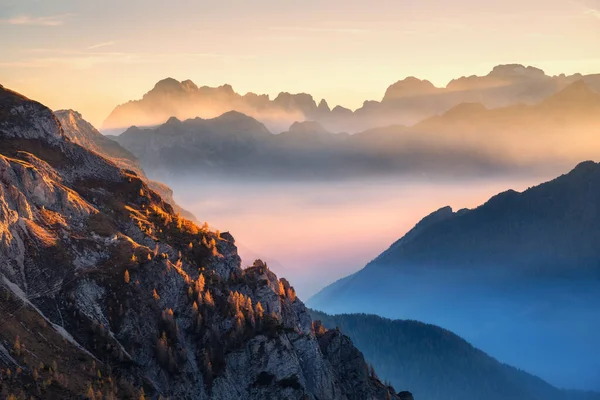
(521, 267)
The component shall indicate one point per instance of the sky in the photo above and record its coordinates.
(92, 55)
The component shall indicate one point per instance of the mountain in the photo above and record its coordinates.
(106, 292)
(196, 145)
(467, 140)
(184, 100)
(83, 133)
(405, 102)
(437, 364)
(518, 276)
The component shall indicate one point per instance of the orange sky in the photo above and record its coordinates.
(92, 55)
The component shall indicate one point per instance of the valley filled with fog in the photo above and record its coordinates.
(315, 232)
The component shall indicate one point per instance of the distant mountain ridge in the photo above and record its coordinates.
(467, 140)
(518, 276)
(437, 364)
(405, 102)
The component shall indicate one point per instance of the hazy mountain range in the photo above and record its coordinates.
(468, 139)
(106, 292)
(437, 364)
(405, 102)
(518, 276)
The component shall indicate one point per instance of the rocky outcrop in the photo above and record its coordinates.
(81, 132)
(146, 302)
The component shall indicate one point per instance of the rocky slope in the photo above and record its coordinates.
(105, 292)
(405, 102)
(518, 277)
(437, 364)
(83, 133)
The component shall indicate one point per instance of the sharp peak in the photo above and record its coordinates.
(173, 120)
(585, 167)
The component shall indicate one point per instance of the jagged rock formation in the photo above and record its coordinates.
(522, 265)
(406, 102)
(184, 100)
(106, 291)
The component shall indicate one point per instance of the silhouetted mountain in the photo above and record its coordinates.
(469, 139)
(185, 100)
(437, 364)
(106, 292)
(518, 276)
(406, 102)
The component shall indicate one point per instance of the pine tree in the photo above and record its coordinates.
(90, 395)
(259, 312)
(200, 282)
(208, 299)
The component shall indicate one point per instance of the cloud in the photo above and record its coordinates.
(53, 20)
(104, 44)
(317, 29)
(593, 12)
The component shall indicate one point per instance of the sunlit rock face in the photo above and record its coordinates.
(118, 295)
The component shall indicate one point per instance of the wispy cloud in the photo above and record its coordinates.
(317, 29)
(52, 20)
(593, 12)
(103, 44)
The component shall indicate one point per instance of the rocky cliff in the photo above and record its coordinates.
(106, 292)
(81, 132)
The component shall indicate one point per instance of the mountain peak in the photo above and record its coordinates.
(409, 87)
(323, 106)
(173, 121)
(516, 70)
(307, 127)
(574, 95)
(27, 119)
(189, 85)
(585, 167)
(167, 84)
